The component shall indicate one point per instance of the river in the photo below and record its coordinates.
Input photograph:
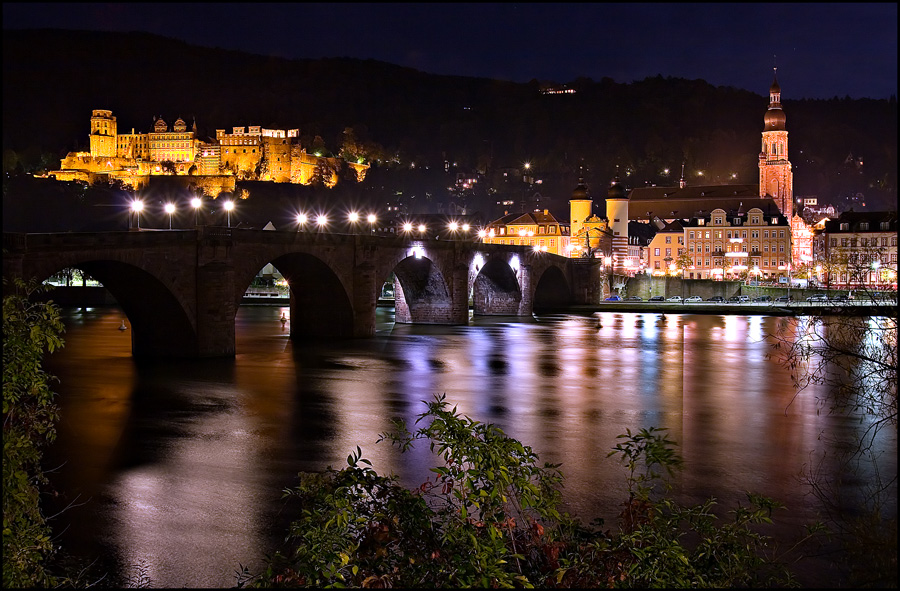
(178, 466)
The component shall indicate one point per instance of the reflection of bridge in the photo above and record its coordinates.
(181, 289)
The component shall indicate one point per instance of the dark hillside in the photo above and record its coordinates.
(53, 79)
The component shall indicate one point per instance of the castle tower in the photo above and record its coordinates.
(617, 214)
(775, 176)
(103, 134)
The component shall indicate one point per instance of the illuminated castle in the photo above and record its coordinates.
(247, 153)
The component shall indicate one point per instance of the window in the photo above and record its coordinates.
(834, 242)
(718, 220)
(541, 230)
(744, 234)
(781, 233)
(845, 226)
(717, 234)
(755, 220)
(691, 248)
(552, 229)
(668, 240)
(656, 264)
(668, 252)
(885, 225)
(706, 235)
(656, 252)
(707, 248)
(766, 233)
(781, 248)
(681, 240)
(864, 226)
(754, 234)
(502, 231)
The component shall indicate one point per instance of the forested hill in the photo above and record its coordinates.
(53, 79)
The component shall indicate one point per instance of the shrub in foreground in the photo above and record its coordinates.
(489, 517)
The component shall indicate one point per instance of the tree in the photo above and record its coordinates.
(683, 261)
(29, 423)
(852, 361)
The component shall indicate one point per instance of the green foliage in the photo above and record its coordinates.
(489, 517)
(29, 423)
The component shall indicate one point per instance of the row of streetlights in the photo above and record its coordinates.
(321, 220)
(137, 206)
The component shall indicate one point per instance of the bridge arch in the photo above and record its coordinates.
(159, 321)
(320, 305)
(496, 290)
(551, 289)
(421, 293)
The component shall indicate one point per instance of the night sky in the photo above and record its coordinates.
(822, 50)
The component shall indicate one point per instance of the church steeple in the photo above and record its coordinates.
(775, 176)
(774, 117)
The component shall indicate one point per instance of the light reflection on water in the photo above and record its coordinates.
(182, 463)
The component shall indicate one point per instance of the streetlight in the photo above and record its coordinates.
(196, 202)
(229, 205)
(301, 221)
(353, 218)
(322, 221)
(170, 209)
(422, 229)
(371, 219)
(407, 227)
(137, 206)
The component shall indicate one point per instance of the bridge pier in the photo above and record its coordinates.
(216, 309)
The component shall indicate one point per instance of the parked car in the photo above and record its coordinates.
(657, 299)
(743, 299)
(839, 298)
(734, 299)
(694, 299)
(614, 298)
(715, 299)
(634, 299)
(763, 298)
(819, 297)
(674, 299)
(784, 298)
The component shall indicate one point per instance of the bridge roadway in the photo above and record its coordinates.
(181, 288)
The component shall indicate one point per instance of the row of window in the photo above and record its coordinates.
(515, 230)
(864, 226)
(852, 242)
(735, 234)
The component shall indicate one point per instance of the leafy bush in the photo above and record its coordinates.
(489, 517)
(29, 423)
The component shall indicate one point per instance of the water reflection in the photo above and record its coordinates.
(182, 463)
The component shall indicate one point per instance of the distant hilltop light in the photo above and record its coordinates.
(558, 90)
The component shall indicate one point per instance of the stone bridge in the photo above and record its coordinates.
(181, 289)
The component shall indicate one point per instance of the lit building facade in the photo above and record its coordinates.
(728, 245)
(538, 229)
(857, 250)
(665, 248)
